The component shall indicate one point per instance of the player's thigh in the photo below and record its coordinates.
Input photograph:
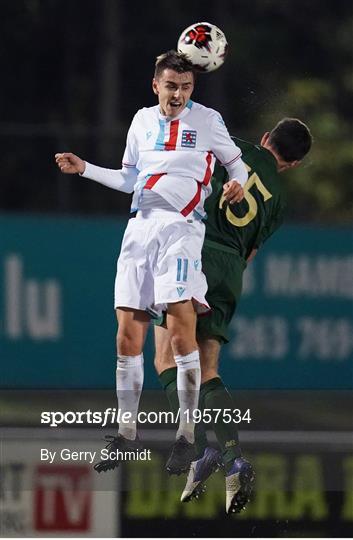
(164, 358)
(181, 324)
(134, 285)
(224, 273)
(181, 315)
(178, 275)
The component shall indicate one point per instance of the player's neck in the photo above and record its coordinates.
(281, 164)
(170, 118)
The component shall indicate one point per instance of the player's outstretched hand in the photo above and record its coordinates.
(233, 192)
(69, 163)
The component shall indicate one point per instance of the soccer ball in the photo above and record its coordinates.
(205, 46)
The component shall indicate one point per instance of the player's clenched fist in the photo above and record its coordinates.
(69, 163)
(233, 192)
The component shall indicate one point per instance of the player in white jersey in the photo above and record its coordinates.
(168, 163)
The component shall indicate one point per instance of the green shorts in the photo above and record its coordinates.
(223, 267)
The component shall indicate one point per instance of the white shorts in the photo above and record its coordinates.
(160, 262)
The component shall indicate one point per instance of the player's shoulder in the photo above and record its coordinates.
(145, 112)
(257, 154)
(261, 161)
(198, 107)
(245, 146)
(206, 112)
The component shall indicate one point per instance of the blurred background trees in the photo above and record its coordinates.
(74, 74)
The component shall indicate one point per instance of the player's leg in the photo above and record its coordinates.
(207, 458)
(133, 288)
(132, 330)
(214, 395)
(224, 272)
(134, 292)
(181, 324)
(180, 284)
(165, 366)
(213, 398)
(167, 372)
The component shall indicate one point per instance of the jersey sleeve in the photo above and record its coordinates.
(220, 174)
(226, 151)
(130, 156)
(123, 179)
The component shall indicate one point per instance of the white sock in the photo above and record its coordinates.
(129, 382)
(188, 385)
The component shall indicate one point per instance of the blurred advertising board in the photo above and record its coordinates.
(303, 488)
(293, 328)
(62, 498)
(298, 492)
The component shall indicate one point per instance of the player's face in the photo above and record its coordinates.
(173, 90)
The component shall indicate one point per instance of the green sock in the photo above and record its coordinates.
(168, 379)
(214, 395)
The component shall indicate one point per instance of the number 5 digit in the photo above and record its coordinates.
(250, 199)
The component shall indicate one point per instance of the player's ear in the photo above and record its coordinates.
(155, 87)
(264, 139)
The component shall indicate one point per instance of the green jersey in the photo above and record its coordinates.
(246, 225)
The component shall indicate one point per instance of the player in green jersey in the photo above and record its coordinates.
(234, 232)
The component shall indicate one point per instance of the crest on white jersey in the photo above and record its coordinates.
(188, 138)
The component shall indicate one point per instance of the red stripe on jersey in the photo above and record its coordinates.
(153, 179)
(206, 179)
(173, 135)
(208, 172)
(194, 201)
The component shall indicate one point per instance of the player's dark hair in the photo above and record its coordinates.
(291, 139)
(173, 60)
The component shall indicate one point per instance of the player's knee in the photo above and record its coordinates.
(163, 358)
(176, 342)
(208, 373)
(158, 362)
(182, 344)
(127, 345)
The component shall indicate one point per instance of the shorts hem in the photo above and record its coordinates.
(209, 334)
(128, 305)
(201, 307)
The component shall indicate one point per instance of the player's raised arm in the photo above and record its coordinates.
(120, 179)
(123, 179)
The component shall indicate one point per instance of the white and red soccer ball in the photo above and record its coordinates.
(205, 46)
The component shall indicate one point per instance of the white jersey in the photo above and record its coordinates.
(175, 157)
